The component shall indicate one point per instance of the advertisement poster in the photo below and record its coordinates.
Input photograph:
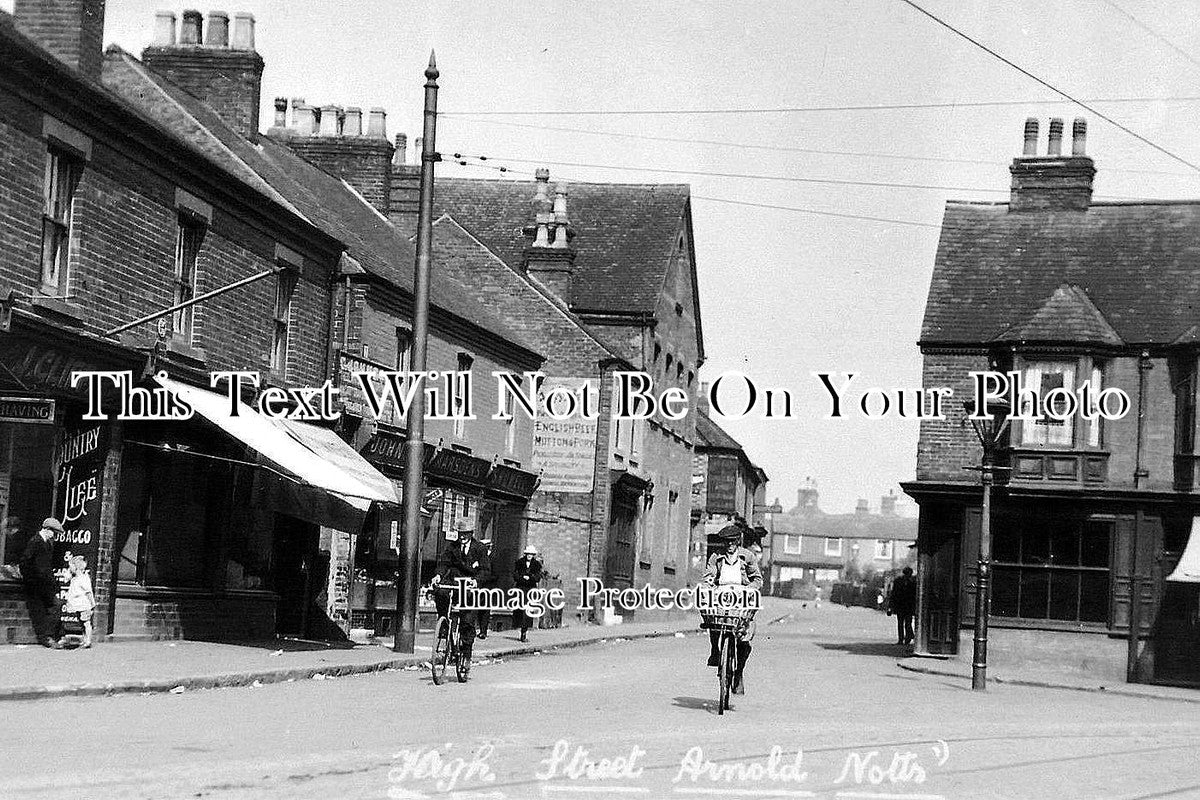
(565, 450)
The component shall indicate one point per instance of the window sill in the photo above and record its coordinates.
(138, 591)
(187, 351)
(59, 309)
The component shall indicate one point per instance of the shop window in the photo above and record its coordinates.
(26, 488)
(833, 547)
(285, 287)
(510, 423)
(792, 544)
(672, 533)
(187, 251)
(1052, 569)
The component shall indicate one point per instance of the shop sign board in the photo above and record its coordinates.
(32, 410)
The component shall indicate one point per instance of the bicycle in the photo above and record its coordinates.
(448, 645)
(732, 624)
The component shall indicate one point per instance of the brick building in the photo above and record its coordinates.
(1095, 512)
(117, 201)
(619, 259)
(811, 547)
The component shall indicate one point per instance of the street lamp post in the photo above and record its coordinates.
(988, 429)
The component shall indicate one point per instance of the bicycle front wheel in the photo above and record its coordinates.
(725, 670)
(441, 651)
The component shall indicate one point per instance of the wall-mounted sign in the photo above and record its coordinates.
(565, 450)
(36, 410)
(79, 467)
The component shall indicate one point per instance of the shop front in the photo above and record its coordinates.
(52, 461)
(237, 527)
(458, 486)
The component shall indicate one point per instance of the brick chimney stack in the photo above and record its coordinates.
(227, 76)
(406, 186)
(549, 257)
(887, 504)
(70, 30)
(1053, 182)
(332, 138)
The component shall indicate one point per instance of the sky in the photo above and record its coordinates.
(783, 294)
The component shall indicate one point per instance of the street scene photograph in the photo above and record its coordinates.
(528, 400)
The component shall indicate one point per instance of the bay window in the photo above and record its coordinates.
(1040, 377)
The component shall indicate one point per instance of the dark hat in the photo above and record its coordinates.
(50, 523)
(730, 533)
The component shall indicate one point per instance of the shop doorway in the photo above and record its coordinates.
(622, 535)
(299, 573)
(939, 543)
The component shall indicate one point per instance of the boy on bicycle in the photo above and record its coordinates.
(466, 558)
(733, 566)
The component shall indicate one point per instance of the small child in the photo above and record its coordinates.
(80, 599)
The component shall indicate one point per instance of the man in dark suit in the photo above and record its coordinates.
(527, 574)
(41, 585)
(903, 603)
(465, 558)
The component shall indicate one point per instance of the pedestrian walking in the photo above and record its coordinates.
(485, 615)
(41, 584)
(527, 574)
(902, 601)
(80, 599)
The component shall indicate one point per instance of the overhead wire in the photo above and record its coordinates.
(457, 159)
(1163, 39)
(808, 109)
(1081, 103)
(779, 148)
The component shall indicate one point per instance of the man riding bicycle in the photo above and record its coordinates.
(466, 558)
(734, 565)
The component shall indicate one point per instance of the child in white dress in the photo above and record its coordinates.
(80, 599)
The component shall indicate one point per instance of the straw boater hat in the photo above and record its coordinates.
(530, 551)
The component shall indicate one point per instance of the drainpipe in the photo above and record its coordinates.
(1140, 473)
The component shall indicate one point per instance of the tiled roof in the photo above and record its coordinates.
(847, 526)
(313, 194)
(188, 120)
(1068, 315)
(624, 233)
(1137, 264)
(710, 434)
(537, 315)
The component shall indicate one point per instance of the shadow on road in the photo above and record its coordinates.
(887, 649)
(697, 704)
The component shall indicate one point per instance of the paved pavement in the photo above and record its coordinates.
(828, 714)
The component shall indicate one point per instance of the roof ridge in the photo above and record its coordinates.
(566, 313)
(145, 71)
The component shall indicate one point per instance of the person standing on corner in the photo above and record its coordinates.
(903, 603)
(527, 574)
(41, 585)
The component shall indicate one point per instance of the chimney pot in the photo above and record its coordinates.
(189, 32)
(418, 149)
(329, 121)
(560, 215)
(304, 117)
(281, 107)
(218, 29)
(243, 31)
(164, 28)
(377, 123)
(1031, 135)
(1056, 134)
(1079, 137)
(352, 123)
(541, 197)
(400, 156)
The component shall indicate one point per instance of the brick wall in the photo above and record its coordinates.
(71, 30)
(946, 446)
(364, 162)
(229, 81)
